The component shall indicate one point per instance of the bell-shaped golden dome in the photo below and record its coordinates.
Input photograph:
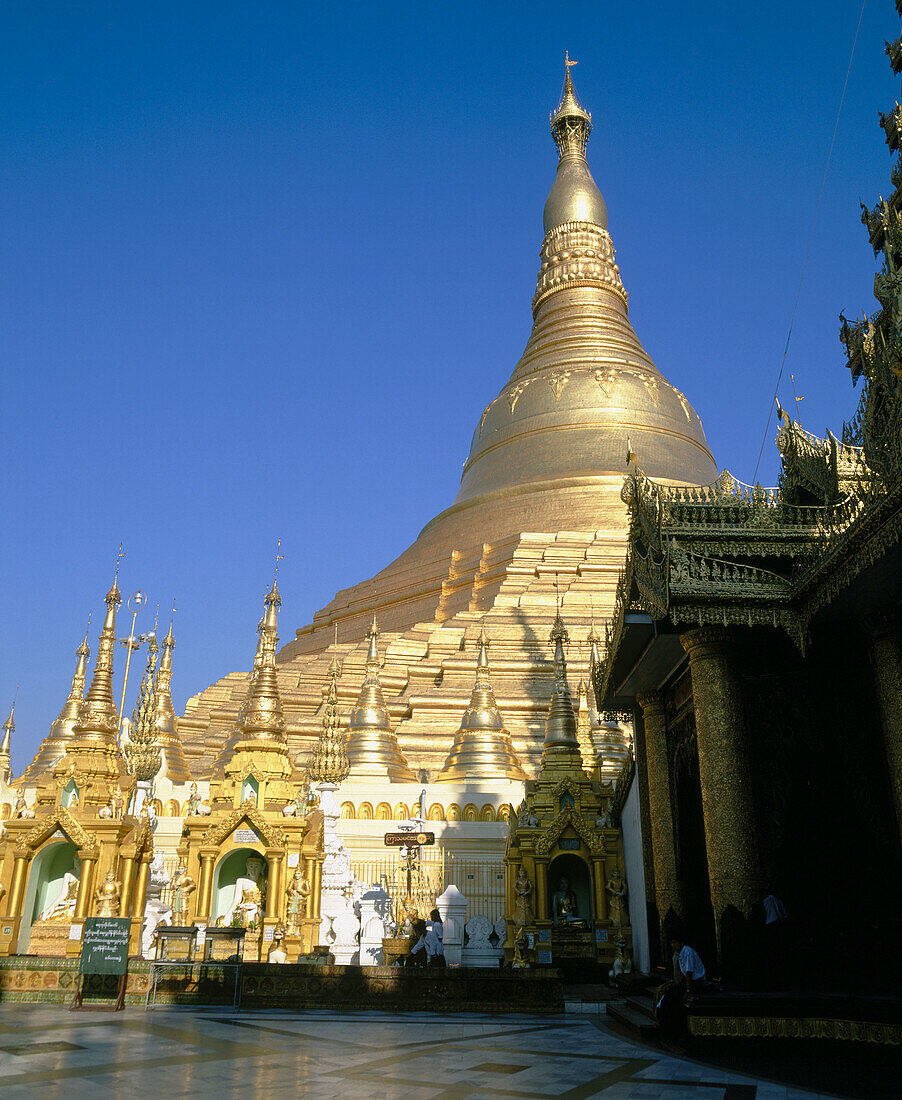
(372, 748)
(584, 385)
(482, 748)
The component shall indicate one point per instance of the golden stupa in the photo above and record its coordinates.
(537, 524)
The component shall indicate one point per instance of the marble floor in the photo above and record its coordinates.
(49, 1052)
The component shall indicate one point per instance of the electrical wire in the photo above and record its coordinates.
(770, 411)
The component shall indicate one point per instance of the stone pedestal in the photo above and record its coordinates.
(479, 950)
(452, 907)
(49, 938)
(375, 912)
(660, 810)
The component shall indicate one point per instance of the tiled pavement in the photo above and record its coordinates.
(50, 1052)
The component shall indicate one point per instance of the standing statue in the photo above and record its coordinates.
(298, 892)
(193, 802)
(523, 915)
(107, 896)
(118, 803)
(156, 913)
(616, 887)
(563, 904)
(183, 886)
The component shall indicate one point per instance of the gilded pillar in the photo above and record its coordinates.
(17, 886)
(601, 898)
(660, 807)
(730, 834)
(85, 886)
(126, 875)
(886, 659)
(542, 889)
(205, 886)
(139, 896)
(316, 892)
(274, 888)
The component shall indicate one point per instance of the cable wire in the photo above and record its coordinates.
(770, 411)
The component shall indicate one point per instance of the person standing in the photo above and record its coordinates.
(435, 946)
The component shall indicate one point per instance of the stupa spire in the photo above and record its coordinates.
(98, 719)
(9, 728)
(561, 749)
(54, 744)
(482, 747)
(174, 766)
(228, 747)
(330, 762)
(372, 747)
(263, 720)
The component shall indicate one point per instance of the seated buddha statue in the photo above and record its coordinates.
(563, 904)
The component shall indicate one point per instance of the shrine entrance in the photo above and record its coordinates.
(236, 873)
(53, 877)
(575, 869)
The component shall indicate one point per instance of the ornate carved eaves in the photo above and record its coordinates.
(59, 819)
(247, 811)
(592, 839)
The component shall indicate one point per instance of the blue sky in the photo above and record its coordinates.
(265, 264)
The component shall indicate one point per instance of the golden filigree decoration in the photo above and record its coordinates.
(59, 819)
(247, 811)
(592, 839)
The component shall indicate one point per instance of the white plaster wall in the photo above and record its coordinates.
(635, 877)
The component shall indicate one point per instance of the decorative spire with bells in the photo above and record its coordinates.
(482, 747)
(372, 748)
(142, 753)
(330, 762)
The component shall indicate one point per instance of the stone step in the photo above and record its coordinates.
(634, 1021)
(642, 1003)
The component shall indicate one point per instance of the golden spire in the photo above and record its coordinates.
(98, 721)
(9, 728)
(263, 721)
(234, 736)
(372, 748)
(482, 747)
(330, 762)
(571, 123)
(54, 744)
(584, 730)
(142, 753)
(174, 766)
(561, 746)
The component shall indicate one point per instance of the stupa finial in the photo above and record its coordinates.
(571, 123)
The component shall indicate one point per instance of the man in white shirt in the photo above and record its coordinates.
(691, 966)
